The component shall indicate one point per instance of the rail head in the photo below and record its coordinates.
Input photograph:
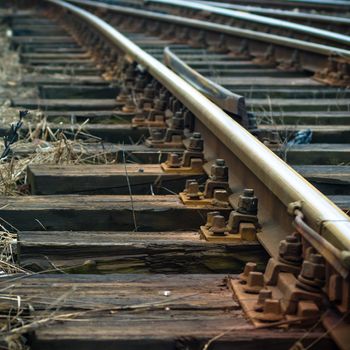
(322, 53)
(225, 99)
(296, 15)
(285, 183)
(257, 19)
(338, 5)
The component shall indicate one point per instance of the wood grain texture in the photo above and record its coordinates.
(316, 154)
(109, 151)
(101, 212)
(105, 179)
(133, 252)
(330, 179)
(143, 311)
(64, 104)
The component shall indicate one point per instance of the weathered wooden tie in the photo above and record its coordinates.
(134, 311)
(109, 179)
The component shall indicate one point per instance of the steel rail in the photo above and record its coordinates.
(285, 183)
(323, 4)
(320, 2)
(304, 48)
(253, 18)
(331, 254)
(222, 97)
(327, 19)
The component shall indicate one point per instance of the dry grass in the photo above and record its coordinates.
(44, 146)
(11, 70)
(7, 255)
(58, 150)
(39, 146)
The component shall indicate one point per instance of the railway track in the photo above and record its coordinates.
(284, 100)
(319, 6)
(335, 36)
(101, 255)
(337, 23)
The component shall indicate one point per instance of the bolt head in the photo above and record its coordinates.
(263, 295)
(292, 239)
(173, 160)
(188, 181)
(221, 195)
(248, 203)
(290, 249)
(157, 135)
(218, 225)
(210, 216)
(193, 188)
(248, 192)
(255, 282)
(196, 143)
(316, 258)
(219, 171)
(249, 267)
(272, 306)
(312, 270)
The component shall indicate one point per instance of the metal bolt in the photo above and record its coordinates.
(155, 84)
(272, 311)
(188, 181)
(219, 171)
(192, 190)
(313, 268)
(210, 216)
(130, 72)
(141, 82)
(316, 258)
(173, 160)
(274, 137)
(157, 135)
(196, 164)
(248, 203)
(249, 267)
(129, 106)
(196, 142)
(149, 91)
(255, 282)
(218, 227)
(264, 294)
(177, 121)
(290, 249)
(312, 274)
(220, 196)
(124, 94)
(164, 96)
(160, 104)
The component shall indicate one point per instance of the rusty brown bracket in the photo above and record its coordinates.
(225, 99)
(306, 282)
(339, 260)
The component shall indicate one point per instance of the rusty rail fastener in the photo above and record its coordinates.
(340, 260)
